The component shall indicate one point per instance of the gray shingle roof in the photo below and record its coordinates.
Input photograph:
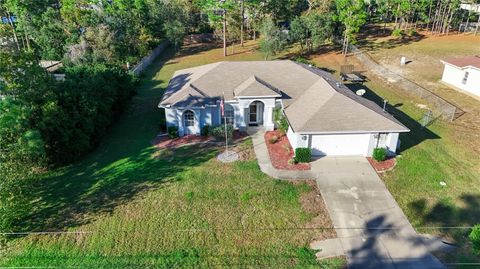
(254, 87)
(313, 100)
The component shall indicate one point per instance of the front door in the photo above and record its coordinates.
(253, 112)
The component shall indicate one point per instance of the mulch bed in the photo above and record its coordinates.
(165, 142)
(384, 166)
(281, 151)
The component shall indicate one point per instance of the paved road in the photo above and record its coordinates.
(372, 230)
(371, 227)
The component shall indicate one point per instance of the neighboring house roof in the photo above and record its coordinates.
(464, 62)
(314, 102)
(51, 66)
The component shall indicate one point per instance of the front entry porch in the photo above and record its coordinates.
(255, 113)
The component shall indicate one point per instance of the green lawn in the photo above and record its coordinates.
(138, 208)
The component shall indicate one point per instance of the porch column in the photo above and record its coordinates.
(198, 126)
(268, 118)
(208, 116)
(180, 122)
(240, 119)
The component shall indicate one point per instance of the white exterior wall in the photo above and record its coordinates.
(390, 143)
(171, 117)
(454, 76)
(292, 138)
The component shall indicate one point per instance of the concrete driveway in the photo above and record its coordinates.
(372, 230)
(371, 227)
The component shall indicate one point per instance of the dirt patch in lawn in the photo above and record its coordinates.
(382, 166)
(312, 203)
(281, 152)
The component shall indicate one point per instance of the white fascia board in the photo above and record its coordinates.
(356, 132)
(191, 107)
(461, 68)
(257, 97)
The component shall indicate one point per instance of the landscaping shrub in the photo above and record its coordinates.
(205, 130)
(273, 139)
(283, 125)
(304, 61)
(219, 132)
(163, 124)
(303, 155)
(412, 32)
(398, 33)
(280, 133)
(475, 239)
(172, 131)
(379, 154)
(292, 161)
(280, 119)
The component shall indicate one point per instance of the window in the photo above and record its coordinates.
(188, 118)
(465, 78)
(229, 115)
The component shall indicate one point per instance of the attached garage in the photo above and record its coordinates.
(340, 144)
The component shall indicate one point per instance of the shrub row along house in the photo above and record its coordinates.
(322, 113)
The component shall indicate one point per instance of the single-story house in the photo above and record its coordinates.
(322, 113)
(463, 73)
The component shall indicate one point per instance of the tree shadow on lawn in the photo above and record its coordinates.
(445, 215)
(74, 198)
(417, 133)
(375, 31)
(115, 172)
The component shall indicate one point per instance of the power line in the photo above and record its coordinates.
(238, 229)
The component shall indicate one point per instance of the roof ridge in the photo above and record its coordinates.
(198, 90)
(266, 84)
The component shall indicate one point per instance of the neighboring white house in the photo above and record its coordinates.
(322, 113)
(463, 73)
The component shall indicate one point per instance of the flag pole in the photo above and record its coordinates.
(225, 121)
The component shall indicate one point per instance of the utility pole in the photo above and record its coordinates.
(224, 32)
(243, 22)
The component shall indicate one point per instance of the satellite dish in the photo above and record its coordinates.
(361, 92)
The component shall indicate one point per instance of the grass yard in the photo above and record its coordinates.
(445, 151)
(138, 206)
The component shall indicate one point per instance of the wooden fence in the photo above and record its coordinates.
(147, 60)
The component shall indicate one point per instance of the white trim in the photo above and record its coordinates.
(460, 67)
(264, 96)
(354, 132)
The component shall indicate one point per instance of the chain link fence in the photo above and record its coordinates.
(440, 106)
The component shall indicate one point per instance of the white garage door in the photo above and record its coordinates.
(340, 145)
